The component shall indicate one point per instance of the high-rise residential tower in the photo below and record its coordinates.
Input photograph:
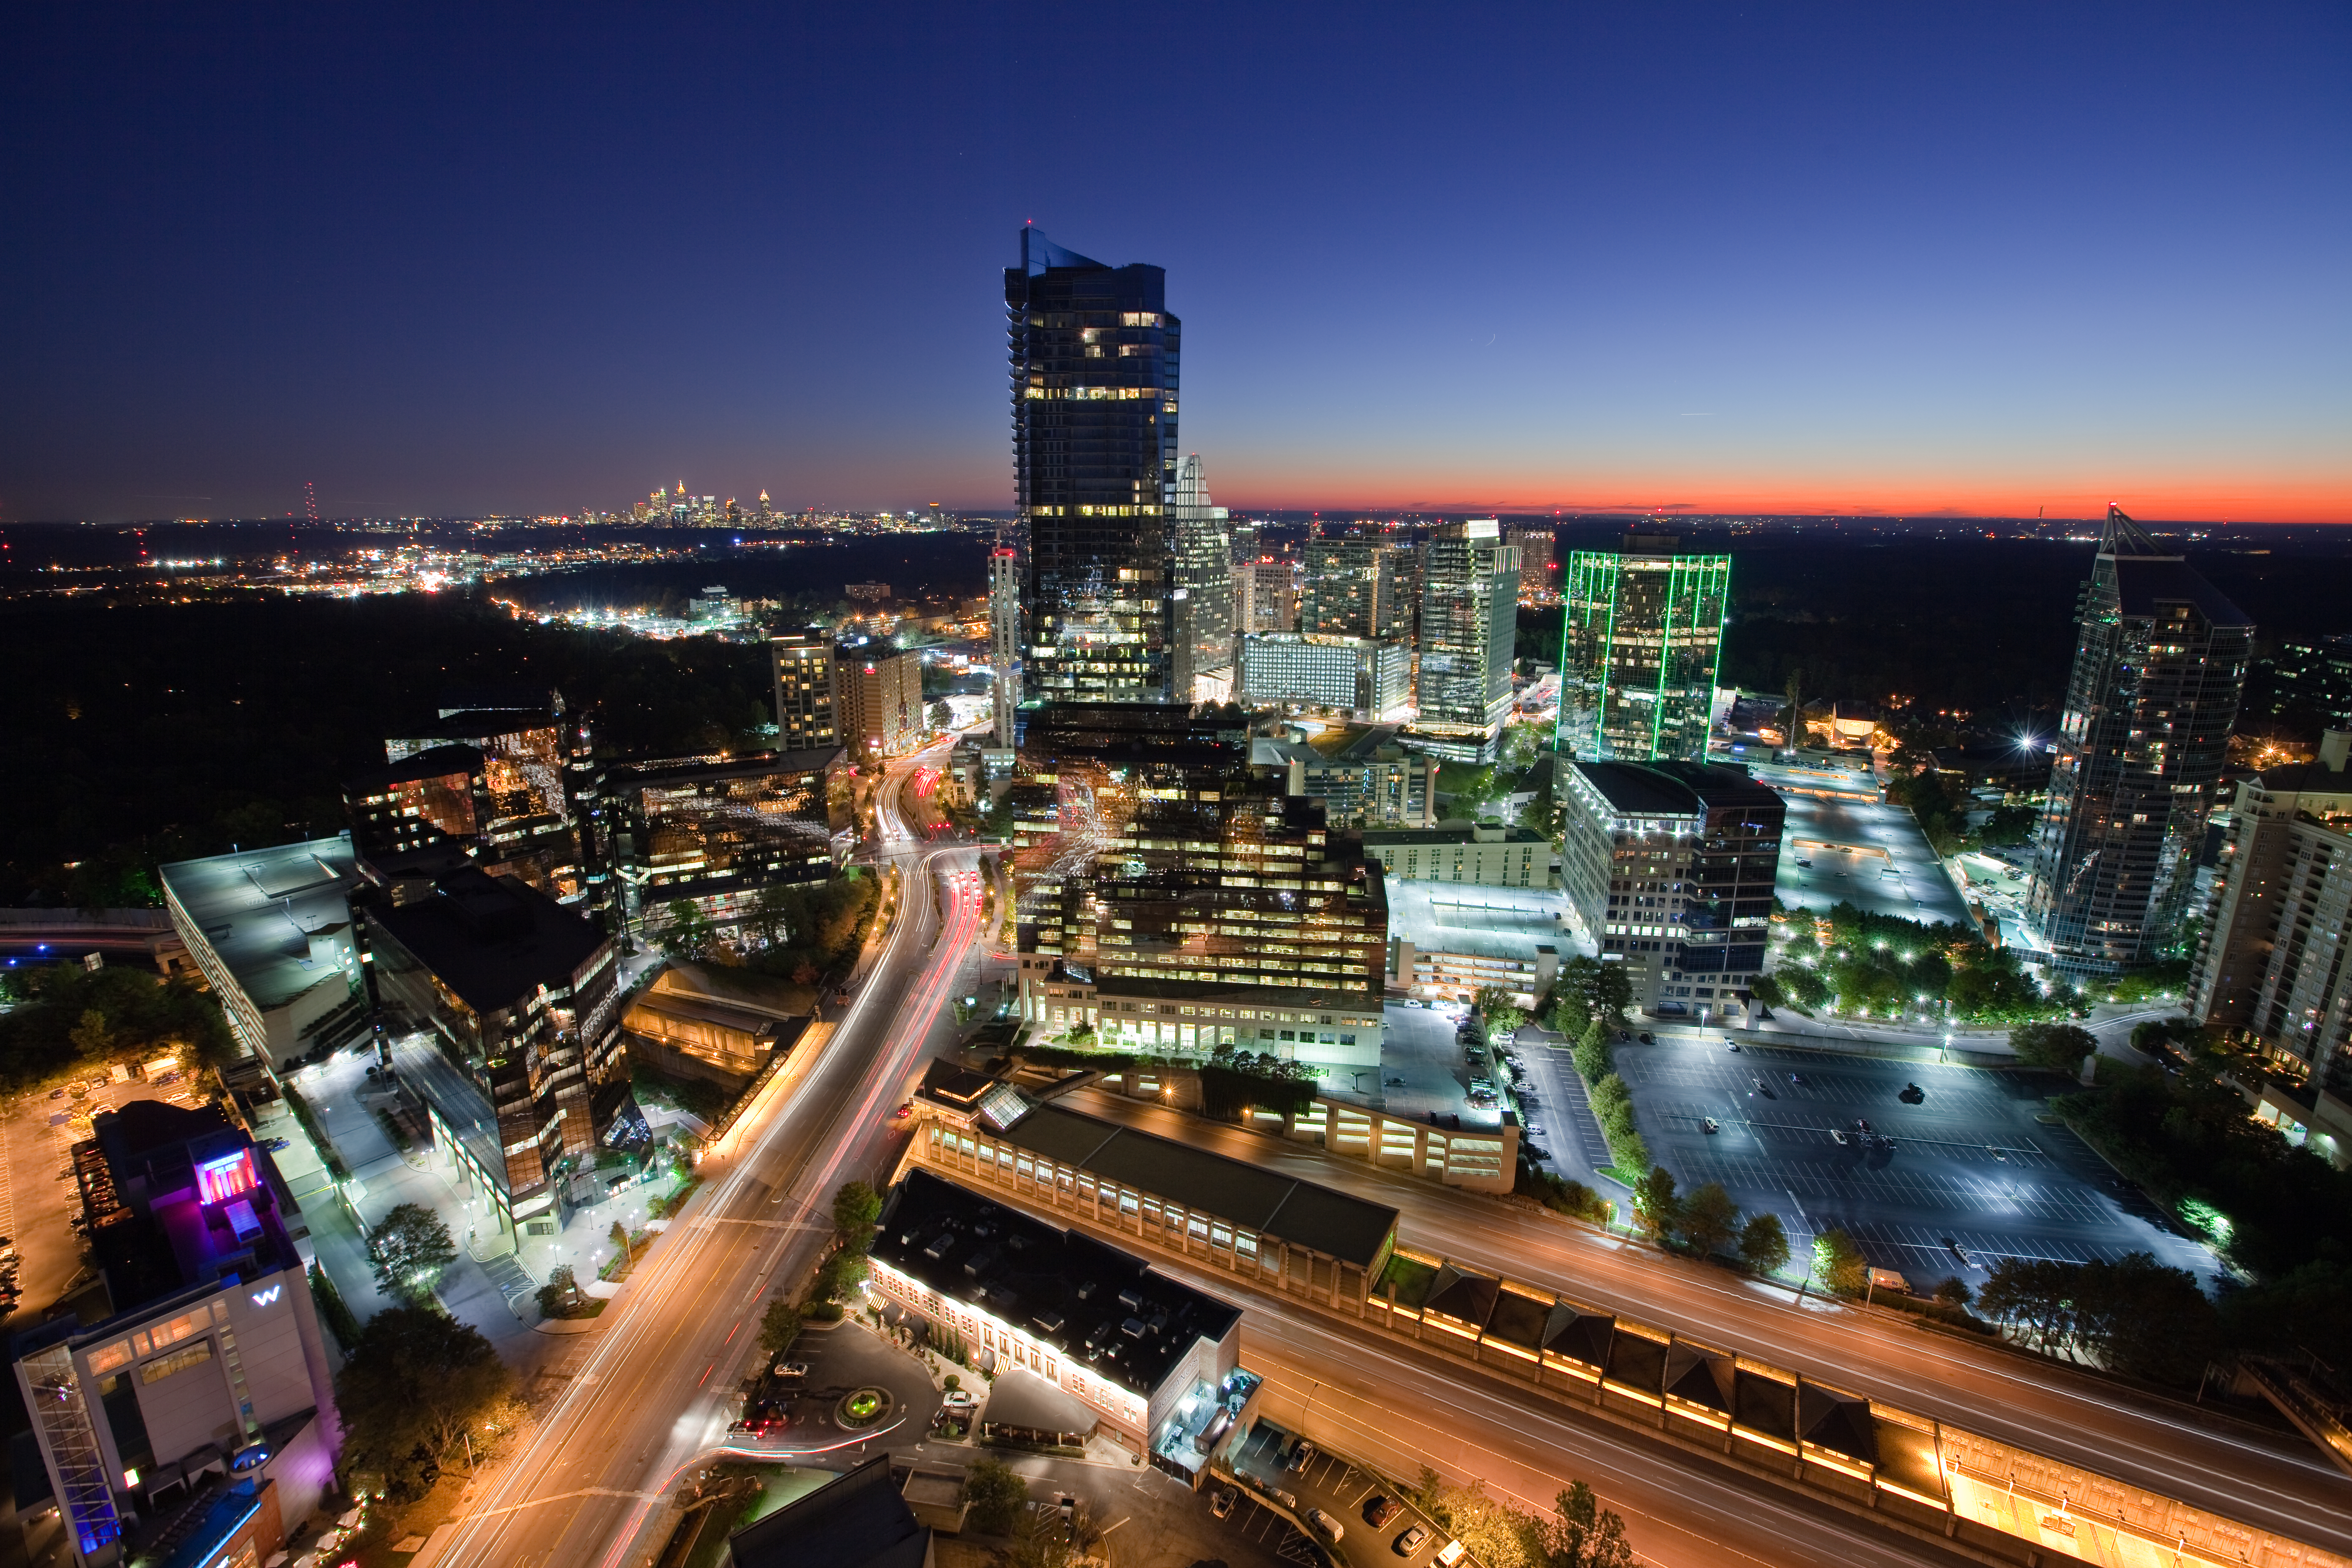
(1536, 585)
(1004, 635)
(807, 717)
(1639, 653)
(1094, 353)
(1354, 588)
(1202, 608)
(2160, 663)
(1265, 599)
(1469, 619)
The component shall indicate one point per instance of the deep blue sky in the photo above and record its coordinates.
(1876, 255)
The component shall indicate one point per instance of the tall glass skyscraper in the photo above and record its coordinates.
(1469, 620)
(1354, 587)
(2160, 661)
(1201, 612)
(1639, 654)
(1094, 358)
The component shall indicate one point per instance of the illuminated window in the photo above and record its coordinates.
(224, 1177)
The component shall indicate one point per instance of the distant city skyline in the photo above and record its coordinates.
(1828, 258)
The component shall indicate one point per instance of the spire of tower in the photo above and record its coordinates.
(2122, 536)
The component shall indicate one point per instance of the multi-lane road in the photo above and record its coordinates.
(650, 1393)
(2237, 1471)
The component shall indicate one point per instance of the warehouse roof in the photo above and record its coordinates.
(1277, 1207)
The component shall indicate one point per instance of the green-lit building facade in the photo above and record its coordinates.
(1640, 651)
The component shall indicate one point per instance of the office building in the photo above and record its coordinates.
(270, 930)
(1361, 775)
(1445, 944)
(2271, 961)
(1483, 853)
(880, 694)
(1352, 585)
(2160, 664)
(1671, 865)
(502, 1007)
(1095, 357)
(717, 835)
(194, 1396)
(1004, 639)
(1469, 621)
(807, 706)
(1147, 866)
(2311, 678)
(1536, 564)
(1638, 658)
(1126, 1343)
(1350, 677)
(1201, 608)
(531, 751)
(1265, 596)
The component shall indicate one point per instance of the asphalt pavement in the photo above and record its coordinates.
(1970, 1175)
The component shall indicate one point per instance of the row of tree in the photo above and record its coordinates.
(70, 1018)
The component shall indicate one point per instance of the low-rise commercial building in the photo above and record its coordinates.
(716, 833)
(857, 1519)
(505, 1009)
(1130, 1344)
(1357, 678)
(203, 1375)
(1476, 852)
(1671, 865)
(722, 1025)
(270, 930)
(1361, 775)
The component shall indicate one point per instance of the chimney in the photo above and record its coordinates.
(2334, 749)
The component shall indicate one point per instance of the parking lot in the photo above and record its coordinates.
(1971, 1167)
(1342, 1491)
(1865, 854)
(39, 1200)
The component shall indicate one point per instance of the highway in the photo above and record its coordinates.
(649, 1391)
(2277, 1482)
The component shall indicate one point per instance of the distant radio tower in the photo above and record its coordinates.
(310, 499)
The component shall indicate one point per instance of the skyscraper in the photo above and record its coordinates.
(1639, 654)
(1201, 610)
(1535, 586)
(1264, 600)
(1004, 635)
(1094, 356)
(1354, 588)
(1469, 619)
(2160, 663)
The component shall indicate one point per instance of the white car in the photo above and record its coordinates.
(1331, 1528)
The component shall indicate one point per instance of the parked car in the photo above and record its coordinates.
(1798, 1079)
(1379, 1509)
(1731, 1045)
(792, 1371)
(1331, 1529)
(1300, 1458)
(1707, 1123)
(1221, 1502)
(1409, 1541)
(275, 1146)
(1838, 1134)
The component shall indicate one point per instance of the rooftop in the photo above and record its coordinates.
(857, 1520)
(1453, 833)
(662, 771)
(433, 762)
(1101, 1308)
(1479, 921)
(258, 908)
(492, 940)
(2145, 582)
(1278, 1208)
(469, 725)
(1675, 788)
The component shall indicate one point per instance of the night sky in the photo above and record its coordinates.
(1881, 257)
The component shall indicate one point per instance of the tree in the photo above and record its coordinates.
(411, 1247)
(416, 1384)
(2008, 827)
(1494, 1004)
(2060, 1047)
(91, 1037)
(560, 1297)
(995, 1493)
(1766, 990)
(1655, 1207)
(856, 1207)
(842, 1277)
(1591, 1054)
(691, 933)
(1709, 1219)
(1763, 1244)
(1602, 987)
(1581, 1533)
(940, 716)
(1839, 1264)
(1953, 1292)
(620, 1237)
(779, 1325)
